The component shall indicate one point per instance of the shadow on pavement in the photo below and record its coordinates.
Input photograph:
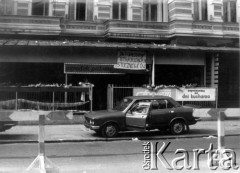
(156, 133)
(18, 137)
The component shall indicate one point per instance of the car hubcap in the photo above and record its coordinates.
(178, 128)
(110, 131)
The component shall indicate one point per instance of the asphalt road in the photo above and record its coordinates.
(115, 156)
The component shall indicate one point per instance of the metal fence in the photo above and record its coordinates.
(46, 98)
(117, 93)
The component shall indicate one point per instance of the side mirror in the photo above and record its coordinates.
(155, 104)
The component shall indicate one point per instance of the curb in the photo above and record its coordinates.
(111, 139)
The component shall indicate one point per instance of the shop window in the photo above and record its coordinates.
(200, 10)
(119, 10)
(229, 10)
(40, 8)
(149, 11)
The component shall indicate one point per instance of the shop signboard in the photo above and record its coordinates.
(180, 94)
(131, 60)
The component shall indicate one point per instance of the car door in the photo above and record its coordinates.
(136, 116)
(162, 115)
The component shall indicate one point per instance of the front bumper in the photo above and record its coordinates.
(87, 125)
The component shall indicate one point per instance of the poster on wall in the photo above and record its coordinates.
(131, 60)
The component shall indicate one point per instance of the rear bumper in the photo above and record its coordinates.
(194, 121)
(198, 119)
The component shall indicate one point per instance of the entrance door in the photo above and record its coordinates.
(137, 115)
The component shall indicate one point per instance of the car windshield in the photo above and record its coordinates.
(123, 104)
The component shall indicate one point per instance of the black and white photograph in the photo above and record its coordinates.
(123, 86)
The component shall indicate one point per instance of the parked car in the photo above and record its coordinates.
(142, 113)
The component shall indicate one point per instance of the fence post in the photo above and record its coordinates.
(42, 162)
(110, 97)
(16, 103)
(91, 98)
(53, 101)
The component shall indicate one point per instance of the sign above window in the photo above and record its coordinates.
(131, 60)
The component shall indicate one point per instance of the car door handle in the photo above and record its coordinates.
(171, 111)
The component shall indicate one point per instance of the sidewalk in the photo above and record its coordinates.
(78, 133)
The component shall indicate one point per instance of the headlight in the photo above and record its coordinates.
(91, 122)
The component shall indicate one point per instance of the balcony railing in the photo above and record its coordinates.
(42, 25)
(45, 25)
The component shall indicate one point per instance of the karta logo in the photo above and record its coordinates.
(223, 158)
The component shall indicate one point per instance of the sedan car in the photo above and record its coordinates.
(142, 113)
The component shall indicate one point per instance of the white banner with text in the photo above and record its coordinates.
(131, 60)
(181, 94)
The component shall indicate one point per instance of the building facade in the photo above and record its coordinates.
(58, 41)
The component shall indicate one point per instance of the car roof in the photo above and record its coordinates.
(148, 97)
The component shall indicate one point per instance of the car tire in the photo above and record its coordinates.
(177, 127)
(109, 130)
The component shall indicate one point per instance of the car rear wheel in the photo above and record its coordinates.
(177, 127)
(109, 130)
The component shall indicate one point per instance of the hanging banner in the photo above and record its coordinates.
(181, 94)
(147, 92)
(131, 60)
(196, 94)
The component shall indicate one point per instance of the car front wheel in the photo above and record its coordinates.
(177, 127)
(109, 130)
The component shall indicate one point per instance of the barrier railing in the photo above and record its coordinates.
(42, 163)
(46, 98)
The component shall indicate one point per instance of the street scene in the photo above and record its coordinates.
(119, 86)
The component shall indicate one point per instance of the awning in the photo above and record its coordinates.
(98, 44)
(78, 68)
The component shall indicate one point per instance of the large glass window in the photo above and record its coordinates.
(119, 10)
(149, 11)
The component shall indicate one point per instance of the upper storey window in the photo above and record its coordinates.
(200, 10)
(119, 9)
(229, 10)
(6, 7)
(150, 10)
(40, 8)
(81, 10)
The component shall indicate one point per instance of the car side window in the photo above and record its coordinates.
(165, 104)
(140, 107)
